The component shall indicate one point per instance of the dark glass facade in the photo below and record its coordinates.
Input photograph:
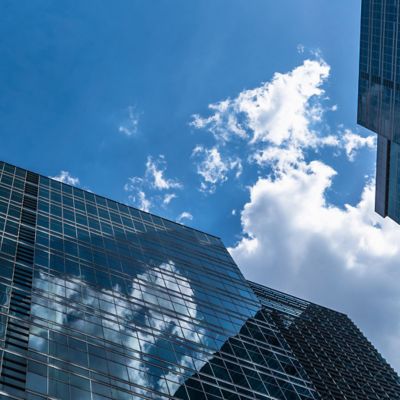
(102, 301)
(379, 96)
(339, 360)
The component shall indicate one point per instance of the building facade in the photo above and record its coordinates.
(102, 301)
(340, 362)
(379, 96)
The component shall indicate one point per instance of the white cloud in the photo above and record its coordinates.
(129, 126)
(352, 142)
(275, 123)
(184, 215)
(140, 200)
(135, 186)
(222, 123)
(213, 168)
(275, 112)
(300, 48)
(66, 177)
(149, 190)
(133, 183)
(155, 170)
(168, 198)
(293, 239)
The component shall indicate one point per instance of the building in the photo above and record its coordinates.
(340, 362)
(379, 96)
(102, 301)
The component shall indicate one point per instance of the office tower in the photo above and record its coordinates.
(257, 360)
(102, 301)
(379, 96)
(339, 360)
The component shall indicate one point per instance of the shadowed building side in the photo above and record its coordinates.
(339, 360)
(258, 360)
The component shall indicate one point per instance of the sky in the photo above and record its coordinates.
(234, 117)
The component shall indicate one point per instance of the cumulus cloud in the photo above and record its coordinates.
(345, 258)
(214, 168)
(129, 126)
(66, 177)
(276, 122)
(293, 239)
(184, 215)
(273, 123)
(275, 112)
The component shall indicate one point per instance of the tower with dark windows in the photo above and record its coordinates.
(101, 301)
(379, 96)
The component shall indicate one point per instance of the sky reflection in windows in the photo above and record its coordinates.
(127, 304)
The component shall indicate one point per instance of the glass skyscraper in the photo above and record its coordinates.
(101, 301)
(379, 96)
(339, 360)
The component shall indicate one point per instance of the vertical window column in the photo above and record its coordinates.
(14, 367)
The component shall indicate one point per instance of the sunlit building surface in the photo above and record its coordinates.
(379, 96)
(102, 301)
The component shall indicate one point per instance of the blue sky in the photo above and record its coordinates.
(69, 76)
(118, 97)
